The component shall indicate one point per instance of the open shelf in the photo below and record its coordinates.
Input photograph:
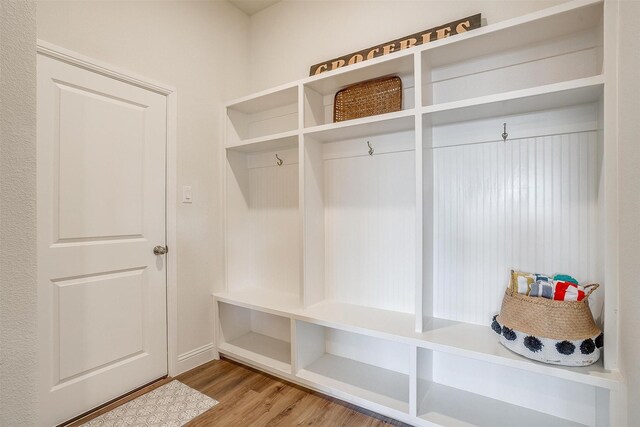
(468, 340)
(265, 114)
(448, 406)
(481, 343)
(558, 21)
(255, 336)
(320, 91)
(357, 318)
(260, 349)
(382, 124)
(382, 386)
(514, 57)
(275, 142)
(263, 299)
(457, 390)
(464, 339)
(549, 97)
(356, 365)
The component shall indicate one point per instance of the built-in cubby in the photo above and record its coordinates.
(258, 118)
(319, 91)
(360, 213)
(361, 366)
(377, 250)
(515, 58)
(263, 221)
(453, 390)
(492, 204)
(255, 336)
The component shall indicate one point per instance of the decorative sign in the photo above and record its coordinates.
(433, 34)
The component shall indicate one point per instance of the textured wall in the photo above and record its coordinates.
(629, 187)
(290, 36)
(17, 213)
(201, 48)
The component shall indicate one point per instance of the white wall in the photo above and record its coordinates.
(629, 205)
(201, 48)
(17, 213)
(290, 36)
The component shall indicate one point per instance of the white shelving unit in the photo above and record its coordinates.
(256, 336)
(373, 277)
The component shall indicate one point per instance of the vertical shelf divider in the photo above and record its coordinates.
(417, 93)
(413, 381)
(313, 217)
(301, 201)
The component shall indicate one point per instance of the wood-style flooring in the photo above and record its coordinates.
(251, 398)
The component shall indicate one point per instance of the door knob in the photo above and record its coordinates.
(160, 250)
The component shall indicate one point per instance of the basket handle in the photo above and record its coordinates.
(591, 288)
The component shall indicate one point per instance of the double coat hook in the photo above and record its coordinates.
(279, 162)
(370, 148)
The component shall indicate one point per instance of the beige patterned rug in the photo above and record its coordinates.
(172, 405)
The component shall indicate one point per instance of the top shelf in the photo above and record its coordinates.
(567, 18)
(459, 74)
(554, 22)
(266, 100)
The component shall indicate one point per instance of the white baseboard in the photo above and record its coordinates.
(196, 357)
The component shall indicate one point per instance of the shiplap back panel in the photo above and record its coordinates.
(275, 230)
(369, 230)
(529, 204)
(263, 247)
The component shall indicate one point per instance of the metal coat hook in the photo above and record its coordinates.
(370, 148)
(504, 132)
(279, 160)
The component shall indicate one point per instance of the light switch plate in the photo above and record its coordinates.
(186, 194)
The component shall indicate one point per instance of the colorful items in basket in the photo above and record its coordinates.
(548, 319)
(560, 287)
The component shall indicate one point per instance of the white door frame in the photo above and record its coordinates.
(108, 70)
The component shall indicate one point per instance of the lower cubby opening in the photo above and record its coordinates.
(255, 336)
(360, 366)
(454, 390)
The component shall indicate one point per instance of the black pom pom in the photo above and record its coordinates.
(496, 327)
(587, 346)
(565, 347)
(533, 343)
(600, 341)
(508, 333)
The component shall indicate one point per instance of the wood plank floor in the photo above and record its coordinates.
(251, 398)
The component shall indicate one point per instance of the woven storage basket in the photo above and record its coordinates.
(368, 98)
(550, 331)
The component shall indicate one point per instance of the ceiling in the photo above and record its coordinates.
(252, 6)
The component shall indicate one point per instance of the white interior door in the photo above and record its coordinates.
(101, 212)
